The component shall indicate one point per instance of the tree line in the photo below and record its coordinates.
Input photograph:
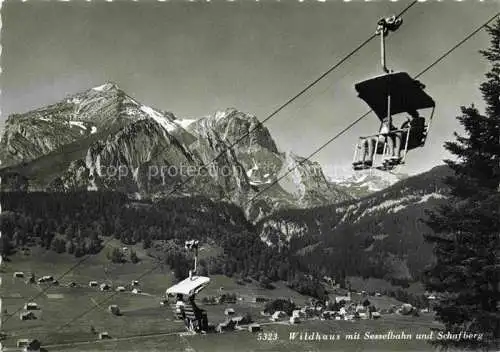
(79, 222)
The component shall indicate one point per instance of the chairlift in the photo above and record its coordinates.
(195, 319)
(392, 95)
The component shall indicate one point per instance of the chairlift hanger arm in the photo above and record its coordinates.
(193, 245)
(384, 26)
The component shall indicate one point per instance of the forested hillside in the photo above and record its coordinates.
(79, 223)
(381, 235)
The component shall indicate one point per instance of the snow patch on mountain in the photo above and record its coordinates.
(184, 123)
(434, 195)
(390, 206)
(260, 183)
(159, 118)
(362, 183)
(397, 208)
(254, 168)
(99, 88)
(396, 205)
(219, 115)
(255, 176)
(78, 124)
(375, 179)
(104, 87)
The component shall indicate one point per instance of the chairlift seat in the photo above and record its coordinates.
(406, 94)
(196, 318)
(389, 95)
(190, 312)
(178, 313)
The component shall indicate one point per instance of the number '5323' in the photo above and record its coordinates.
(267, 336)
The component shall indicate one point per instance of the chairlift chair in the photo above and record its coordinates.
(190, 287)
(390, 95)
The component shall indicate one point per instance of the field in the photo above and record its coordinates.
(67, 314)
(243, 341)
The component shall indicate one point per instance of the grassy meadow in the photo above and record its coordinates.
(67, 314)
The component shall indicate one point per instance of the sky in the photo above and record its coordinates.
(194, 58)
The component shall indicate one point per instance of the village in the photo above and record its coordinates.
(228, 310)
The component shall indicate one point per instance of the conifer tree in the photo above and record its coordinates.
(466, 230)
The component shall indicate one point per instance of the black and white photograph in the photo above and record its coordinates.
(249, 175)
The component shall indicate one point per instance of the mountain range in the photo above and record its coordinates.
(102, 138)
(365, 182)
(368, 224)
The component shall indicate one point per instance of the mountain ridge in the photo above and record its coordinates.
(379, 235)
(103, 125)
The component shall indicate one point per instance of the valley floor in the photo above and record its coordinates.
(147, 326)
(244, 341)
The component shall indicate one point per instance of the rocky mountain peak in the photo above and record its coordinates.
(67, 144)
(364, 182)
(107, 87)
(101, 109)
(108, 91)
(234, 126)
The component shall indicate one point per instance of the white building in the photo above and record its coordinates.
(277, 315)
(363, 315)
(361, 309)
(104, 335)
(30, 306)
(339, 299)
(229, 312)
(104, 287)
